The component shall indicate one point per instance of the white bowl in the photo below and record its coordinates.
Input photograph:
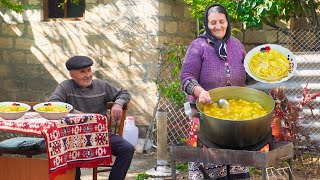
(13, 115)
(53, 115)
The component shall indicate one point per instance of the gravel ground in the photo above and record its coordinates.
(140, 163)
(143, 162)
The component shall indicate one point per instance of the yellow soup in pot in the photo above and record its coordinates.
(12, 108)
(270, 66)
(239, 110)
(52, 108)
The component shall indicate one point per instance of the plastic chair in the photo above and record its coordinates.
(117, 128)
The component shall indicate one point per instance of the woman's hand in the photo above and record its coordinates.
(116, 112)
(203, 95)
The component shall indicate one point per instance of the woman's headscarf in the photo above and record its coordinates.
(219, 44)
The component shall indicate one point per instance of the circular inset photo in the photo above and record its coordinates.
(270, 63)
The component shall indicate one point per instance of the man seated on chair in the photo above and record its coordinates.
(88, 95)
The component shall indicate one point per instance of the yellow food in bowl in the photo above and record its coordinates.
(52, 108)
(271, 65)
(12, 108)
(239, 110)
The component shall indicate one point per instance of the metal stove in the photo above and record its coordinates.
(202, 142)
(247, 156)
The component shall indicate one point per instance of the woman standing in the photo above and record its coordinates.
(214, 59)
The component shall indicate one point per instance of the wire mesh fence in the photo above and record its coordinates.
(305, 44)
(178, 125)
(278, 173)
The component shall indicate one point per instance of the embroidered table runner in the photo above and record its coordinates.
(78, 140)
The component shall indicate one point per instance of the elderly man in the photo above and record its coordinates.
(89, 95)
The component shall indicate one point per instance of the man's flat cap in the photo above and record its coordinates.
(78, 62)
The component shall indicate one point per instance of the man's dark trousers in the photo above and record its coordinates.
(123, 151)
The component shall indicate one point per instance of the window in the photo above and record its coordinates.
(58, 9)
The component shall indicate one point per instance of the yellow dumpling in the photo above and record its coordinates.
(52, 108)
(12, 108)
(239, 110)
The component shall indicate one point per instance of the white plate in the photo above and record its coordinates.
(286, 52)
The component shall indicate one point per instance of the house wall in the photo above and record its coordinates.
(123, 37)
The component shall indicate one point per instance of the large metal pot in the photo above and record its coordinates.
(236, 134)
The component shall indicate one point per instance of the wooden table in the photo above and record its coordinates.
(78, 140)
(17, 168)
(282, 151)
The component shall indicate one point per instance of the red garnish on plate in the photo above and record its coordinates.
(267, 48)
(14, 104)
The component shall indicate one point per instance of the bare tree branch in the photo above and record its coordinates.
(305, 11)
(314, 14)
(294, 9)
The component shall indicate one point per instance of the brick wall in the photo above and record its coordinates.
(123, 38)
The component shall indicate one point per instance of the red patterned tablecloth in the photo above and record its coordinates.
(78, 140)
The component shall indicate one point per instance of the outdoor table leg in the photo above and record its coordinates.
(173, 170)
(94, 172)
(291, 170)
(264, 173)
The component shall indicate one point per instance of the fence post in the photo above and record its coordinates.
(162, 138)
(162, 169)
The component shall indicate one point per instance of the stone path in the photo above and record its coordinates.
(140, 163)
